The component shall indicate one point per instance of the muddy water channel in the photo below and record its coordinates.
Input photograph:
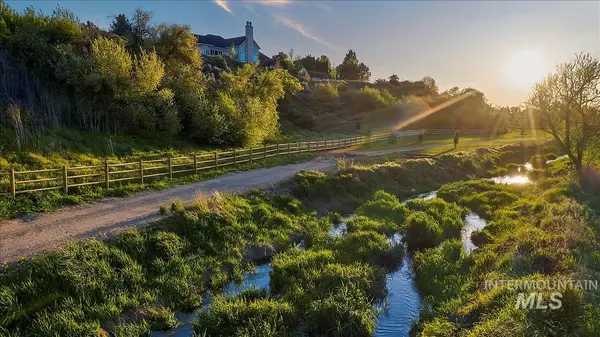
(403, 303)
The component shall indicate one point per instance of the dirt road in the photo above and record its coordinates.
(32, 235)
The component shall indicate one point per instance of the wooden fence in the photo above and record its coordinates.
(69, 178)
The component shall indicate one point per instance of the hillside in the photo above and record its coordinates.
(368, 107)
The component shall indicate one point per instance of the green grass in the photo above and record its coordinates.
(474, 139)
(535, 232)
(50, 201)
(347, 189)
(531, 235)
(152, 272)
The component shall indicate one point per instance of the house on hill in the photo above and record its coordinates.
(244, 47)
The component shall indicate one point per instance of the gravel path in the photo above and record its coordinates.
(31, 235)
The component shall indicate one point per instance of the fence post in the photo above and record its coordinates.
(289, 149)
(251, 159)
(309, 146)
(170, 167)
(106, 174)
(65, 180)
(216, 160)
(196, 164)
(142, 171)
(234, 158)
(277, 149)
(265, 151)
(13, 183)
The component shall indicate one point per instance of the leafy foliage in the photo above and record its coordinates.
(138, 77)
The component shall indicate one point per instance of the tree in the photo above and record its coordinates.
(566, 105)
(352, 70)
(430, 84)
(121, 26)
(141, 28)
(394, 79)
(364, 73)
(309, 62)
(323, 64)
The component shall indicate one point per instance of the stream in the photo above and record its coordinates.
(403, 303)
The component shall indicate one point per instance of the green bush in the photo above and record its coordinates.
(448, 215)
(481, 238)
(538, 161)
(327, 92)
(439, 272)
(383, 206)
(422, 231)
(244, 317)
(438, 328)
(363, 223)
(295, 265)
(368, 247)
(368, 98)
(344, 312)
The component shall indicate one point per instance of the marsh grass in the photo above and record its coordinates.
(535, 232)
(149, 273)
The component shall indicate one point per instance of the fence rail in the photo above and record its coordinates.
(68, 178)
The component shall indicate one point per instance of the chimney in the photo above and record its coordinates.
(249, 42)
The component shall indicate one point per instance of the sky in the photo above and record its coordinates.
(498, 47)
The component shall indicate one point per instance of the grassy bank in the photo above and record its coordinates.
(137, 281)
(537, 232)
(53, 200)
(355, 182)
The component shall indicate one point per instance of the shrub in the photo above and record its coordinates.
(363, 223)
(165, 245)
(438, 328)
(162, 318)
(335, 218)
(327, 92)
(238, 316)
(422, 231)
(368, 247)
(481, 238)
(368, 99)
(538, 161)
(448, 215)
(344, 312)
(513, 168)
(439, 272)
(383, 206)
(536, 174)
(295, 265)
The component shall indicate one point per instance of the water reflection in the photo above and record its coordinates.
(340, 229)
(473, 222)
(427, 196)
(402, 305)
(510, 180)
(258, 278)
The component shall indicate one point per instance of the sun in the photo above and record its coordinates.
(526, 67)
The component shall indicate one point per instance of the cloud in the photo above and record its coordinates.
(271, 2)
(302, 30)
(250, 9)
(324, 6)
(223, 4)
